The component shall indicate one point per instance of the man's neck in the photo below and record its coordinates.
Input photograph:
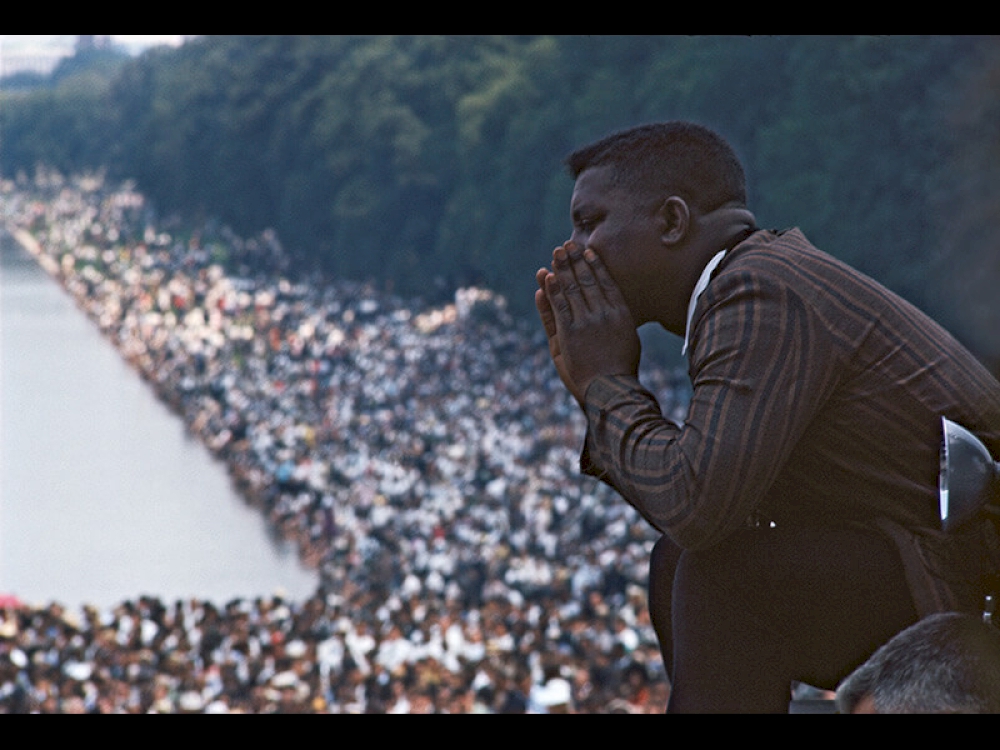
(724, 228)
(715, 231)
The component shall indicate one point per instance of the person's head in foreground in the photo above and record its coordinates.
(945, 664)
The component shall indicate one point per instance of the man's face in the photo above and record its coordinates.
(625, 233)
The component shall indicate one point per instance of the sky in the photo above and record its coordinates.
(18, 50)
(65, 41)
(138, 42)
(149, 38)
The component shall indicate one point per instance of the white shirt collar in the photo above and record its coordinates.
(706, 276)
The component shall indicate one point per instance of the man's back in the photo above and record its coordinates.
(878, 373)
(873, 377)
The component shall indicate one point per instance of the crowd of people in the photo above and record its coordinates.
(422, 457)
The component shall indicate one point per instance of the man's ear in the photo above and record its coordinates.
(676, 218)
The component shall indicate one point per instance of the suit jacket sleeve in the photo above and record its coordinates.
(760, 366)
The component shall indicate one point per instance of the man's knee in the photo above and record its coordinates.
(663, 560)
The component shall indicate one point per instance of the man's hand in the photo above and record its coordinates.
(588, 324)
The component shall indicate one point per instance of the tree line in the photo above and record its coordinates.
(428, 162)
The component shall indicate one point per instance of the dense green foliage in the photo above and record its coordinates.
(426, 162)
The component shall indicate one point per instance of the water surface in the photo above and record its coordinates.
(103, 494)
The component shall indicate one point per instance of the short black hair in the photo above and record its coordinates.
(945, 663)
(669, 158)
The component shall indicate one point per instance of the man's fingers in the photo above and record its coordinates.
(588, 324)
(587, 289)
(545, 310)
(608, 286)
(577, 282)
(546, 313)
(561, 298)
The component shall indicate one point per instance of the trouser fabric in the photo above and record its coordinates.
(740, 622)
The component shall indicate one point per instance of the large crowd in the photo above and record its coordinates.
(422, 457)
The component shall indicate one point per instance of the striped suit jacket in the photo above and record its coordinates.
(817, 398)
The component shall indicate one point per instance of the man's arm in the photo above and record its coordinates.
(758, 379)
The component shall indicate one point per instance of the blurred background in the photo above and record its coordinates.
(284, 437)
(428, 162)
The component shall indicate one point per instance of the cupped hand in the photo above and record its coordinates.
(589, 327)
